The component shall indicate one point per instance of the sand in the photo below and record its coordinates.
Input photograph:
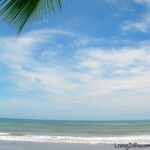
(7, 145)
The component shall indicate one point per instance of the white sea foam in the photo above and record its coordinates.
(2, 133)
(86, 140)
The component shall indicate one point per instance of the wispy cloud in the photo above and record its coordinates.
(147, 2)
(143, 24)
(76, 72)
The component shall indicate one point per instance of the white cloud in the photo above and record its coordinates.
(143, 24)
(147, 2)
(111, 71)
(93, 78)
(95, 63)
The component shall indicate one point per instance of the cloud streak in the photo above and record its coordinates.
(77, 74)
(143, 23)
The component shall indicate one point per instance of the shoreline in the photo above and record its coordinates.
(140, 139)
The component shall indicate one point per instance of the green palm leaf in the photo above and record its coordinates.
(19, 12)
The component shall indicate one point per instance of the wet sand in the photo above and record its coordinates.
(7, 145)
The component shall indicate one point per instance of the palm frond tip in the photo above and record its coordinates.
(19, 12)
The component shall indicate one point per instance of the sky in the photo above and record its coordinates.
(89, 62)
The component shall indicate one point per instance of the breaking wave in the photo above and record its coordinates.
(71, 139)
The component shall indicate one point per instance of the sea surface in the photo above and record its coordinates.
(87, 132)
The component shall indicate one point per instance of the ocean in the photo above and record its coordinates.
(80, 132)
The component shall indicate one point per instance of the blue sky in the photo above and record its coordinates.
(89, 62)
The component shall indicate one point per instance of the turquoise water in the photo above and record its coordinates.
(54, 130)
(74, 128)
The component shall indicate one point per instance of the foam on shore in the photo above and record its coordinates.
(81, 140)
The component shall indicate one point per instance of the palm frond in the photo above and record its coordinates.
(19, 12)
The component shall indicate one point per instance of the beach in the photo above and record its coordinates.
(7, 145)
(74, 74)
(21, 134)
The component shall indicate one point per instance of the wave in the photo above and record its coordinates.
(81, 140)
(2, 133)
